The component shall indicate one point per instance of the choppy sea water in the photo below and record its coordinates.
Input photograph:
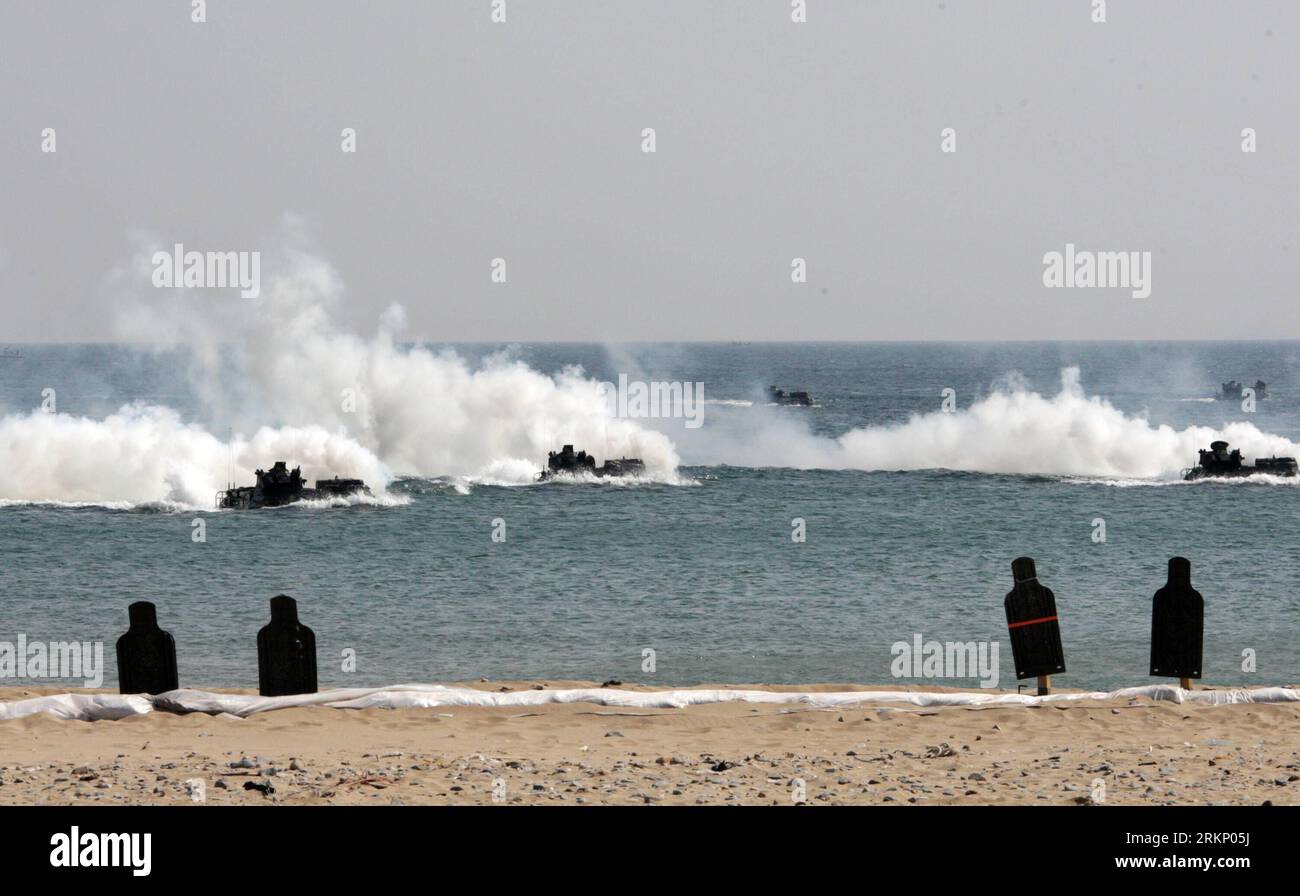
(917, 539)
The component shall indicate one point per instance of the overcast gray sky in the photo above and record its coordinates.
(775, 140)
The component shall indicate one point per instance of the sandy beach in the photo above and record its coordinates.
(1145, 752)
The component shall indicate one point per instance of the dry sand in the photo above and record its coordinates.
(1146, 752)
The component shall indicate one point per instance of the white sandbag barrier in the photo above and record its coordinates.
(95, 707)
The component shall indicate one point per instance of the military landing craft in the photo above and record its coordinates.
(566, 463)
(1218, 462)
(280, 485)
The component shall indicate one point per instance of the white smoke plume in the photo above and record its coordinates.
(279, 379)
(289, 384)
(1013, 430)
(147, 454)
(1066, 434)
(420, 412)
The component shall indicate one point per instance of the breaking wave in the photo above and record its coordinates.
(385, 499)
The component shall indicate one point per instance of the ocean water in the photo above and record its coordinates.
(912, 516)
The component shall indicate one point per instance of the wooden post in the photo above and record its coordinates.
(1044, 685)
(1185, 684)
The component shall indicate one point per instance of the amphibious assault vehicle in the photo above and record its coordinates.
(280, 485)
(1231, 390)
(780, 396)
(566, 462)
(1219, 462)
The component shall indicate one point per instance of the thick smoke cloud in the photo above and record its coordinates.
(1014, 430)
(287, 382)
(278, 378)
